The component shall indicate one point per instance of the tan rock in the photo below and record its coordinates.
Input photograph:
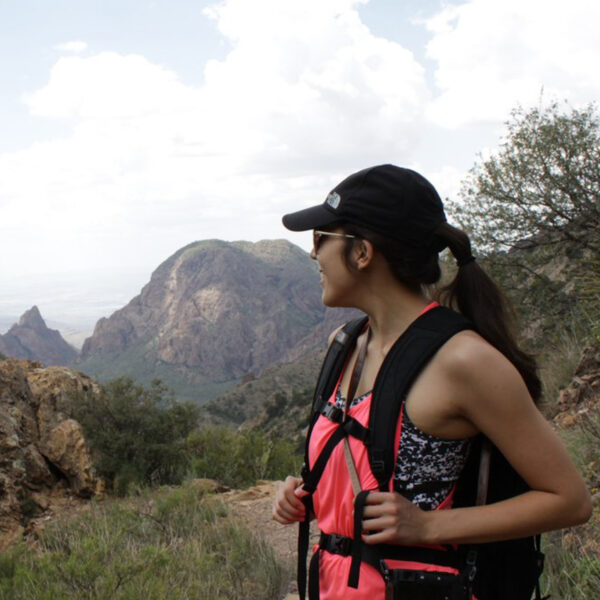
(38, 472)
(55, 388)
(209, 486)
(65, 447)
(42, 452)
(569, 420)
(41, 500)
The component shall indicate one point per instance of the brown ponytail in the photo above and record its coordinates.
(475, 295)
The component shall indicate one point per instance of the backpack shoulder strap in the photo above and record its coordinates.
(334, 360)
(332, 366)
(405, 360)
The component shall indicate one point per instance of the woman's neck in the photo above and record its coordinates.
(391, 310)
(390, 305)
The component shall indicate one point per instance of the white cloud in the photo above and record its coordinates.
(305, 95)
(447, 181)
(109, 86)
(75, 46)
(492, 55)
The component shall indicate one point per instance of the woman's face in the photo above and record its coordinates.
(337, 280)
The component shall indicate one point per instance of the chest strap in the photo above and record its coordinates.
(373, 555)
(349, 424)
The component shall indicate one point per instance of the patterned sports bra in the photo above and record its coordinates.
(427, 467)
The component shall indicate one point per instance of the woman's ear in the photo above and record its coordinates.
(363, 254)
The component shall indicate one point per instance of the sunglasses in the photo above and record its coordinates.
(318, 235)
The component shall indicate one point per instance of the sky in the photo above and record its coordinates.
(131, 128)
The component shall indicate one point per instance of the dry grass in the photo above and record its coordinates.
(167, 544)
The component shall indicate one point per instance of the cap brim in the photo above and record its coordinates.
(310, 218)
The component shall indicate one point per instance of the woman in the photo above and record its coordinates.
(376, 242)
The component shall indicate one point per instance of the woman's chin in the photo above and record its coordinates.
(327, 300)
(332, 301)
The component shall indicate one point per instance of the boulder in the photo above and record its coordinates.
(42, 450)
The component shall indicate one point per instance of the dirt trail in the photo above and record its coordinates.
(254, 507)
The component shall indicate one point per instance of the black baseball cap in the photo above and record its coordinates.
(395, 202)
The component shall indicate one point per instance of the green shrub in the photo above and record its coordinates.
(239, 459)
(571, 571)
(557, 367)
(170, 543)
(137, 434)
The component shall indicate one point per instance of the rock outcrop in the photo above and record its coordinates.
(41, 449)
(582, 396)
(31, 339)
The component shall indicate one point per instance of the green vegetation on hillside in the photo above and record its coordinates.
(239, 459)
(138, 363)
(171, 543)
(137, 435)
(276, 403)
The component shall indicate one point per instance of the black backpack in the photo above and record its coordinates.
(506, 570)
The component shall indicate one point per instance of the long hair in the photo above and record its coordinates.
(472, 292)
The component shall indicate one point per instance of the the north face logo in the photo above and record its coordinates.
(333, 200)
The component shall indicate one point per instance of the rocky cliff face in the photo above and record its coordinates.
(210, 314)
(581, 398)
(42, 452)
(31, 339)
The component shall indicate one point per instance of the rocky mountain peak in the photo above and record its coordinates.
(33, 319)
(210, 314)
(32, 339)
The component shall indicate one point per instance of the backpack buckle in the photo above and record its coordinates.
(337, 544)
(332, 412)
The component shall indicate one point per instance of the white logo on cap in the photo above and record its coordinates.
(333, 200)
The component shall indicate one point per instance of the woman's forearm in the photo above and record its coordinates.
(527, 514)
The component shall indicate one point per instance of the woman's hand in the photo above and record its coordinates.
(288, 508)
(389, 518)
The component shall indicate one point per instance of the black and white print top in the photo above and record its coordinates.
(427, 467)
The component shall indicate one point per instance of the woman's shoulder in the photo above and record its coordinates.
(469, 358)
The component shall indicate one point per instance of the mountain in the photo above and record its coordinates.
(276, 402)
(211, 314)
(31, 339)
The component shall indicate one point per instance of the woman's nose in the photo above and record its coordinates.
(313, 254)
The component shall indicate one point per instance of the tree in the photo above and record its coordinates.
(541, 187)
(137, 434)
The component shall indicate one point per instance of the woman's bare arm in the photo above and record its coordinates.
(488, 392)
